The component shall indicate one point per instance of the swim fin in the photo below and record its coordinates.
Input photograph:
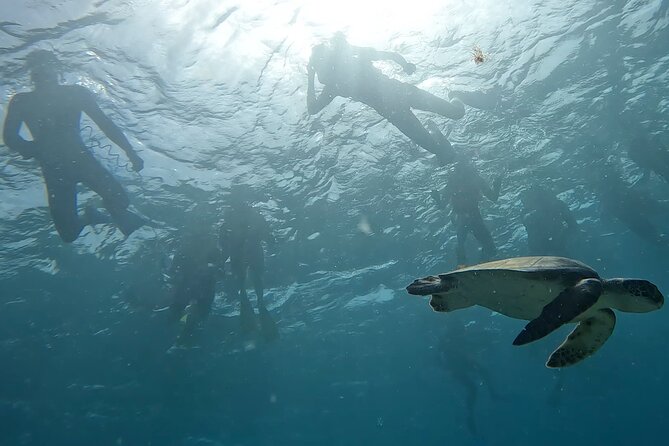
(93, 216)
(269, 328)
(478, 99)
(129, 222)
(247, 316)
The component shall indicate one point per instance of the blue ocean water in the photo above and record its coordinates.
(213, 93)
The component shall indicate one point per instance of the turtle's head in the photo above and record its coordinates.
(632, 295)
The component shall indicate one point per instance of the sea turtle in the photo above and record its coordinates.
(547, 291)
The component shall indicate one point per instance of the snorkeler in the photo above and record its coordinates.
(459, 351)
(548, 221)
(52, 113)
(463, 192)
(193, 276)
(347, 71)
(243, 231)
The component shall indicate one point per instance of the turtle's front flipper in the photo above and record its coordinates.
(585, 340)
(568, 305)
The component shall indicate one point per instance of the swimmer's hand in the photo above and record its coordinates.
(137, 162)
(409, 68)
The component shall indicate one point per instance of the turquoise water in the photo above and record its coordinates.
(213, 93)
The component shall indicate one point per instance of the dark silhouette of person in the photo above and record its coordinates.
(459, 352)
(464, 191)
(243, 231)
(650, 157)
(633, 207)
(548, 221)
(52, 112)
(347, 71)
(196, 266)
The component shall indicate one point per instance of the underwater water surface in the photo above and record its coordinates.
(212, 95)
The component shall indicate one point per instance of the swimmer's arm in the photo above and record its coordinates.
(12, 128)
(224, 238)
(316, 104)
(111, 130)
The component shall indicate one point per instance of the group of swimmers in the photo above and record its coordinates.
(52, 112)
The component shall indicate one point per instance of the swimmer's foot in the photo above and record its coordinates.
(477, 99)
(129, 222)
(269, 328)
(247, 317)
(458, 108)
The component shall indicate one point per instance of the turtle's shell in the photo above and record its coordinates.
(547, 266)
(518, 287)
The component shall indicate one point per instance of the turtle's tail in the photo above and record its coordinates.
(429, 285)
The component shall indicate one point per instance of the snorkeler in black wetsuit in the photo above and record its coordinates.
(52, 113)
(463, 192)
(346, 70)
(194, 273)
(243, 231)
(459, 355)
(548, 221)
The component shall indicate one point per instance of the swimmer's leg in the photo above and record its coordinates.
(256, 263)
(62, 193)
(409, 124)
(246, 313)
(461, 236)
(203, 297)
(116, 201)
(422, 100)
(256, 270)
(482, 234)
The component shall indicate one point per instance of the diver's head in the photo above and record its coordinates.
(44, 67)
(338, 39)
(319, 55)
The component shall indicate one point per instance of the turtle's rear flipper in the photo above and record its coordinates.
(568, 305)
(585, 340)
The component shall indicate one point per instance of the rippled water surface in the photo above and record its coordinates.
(213, 93)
